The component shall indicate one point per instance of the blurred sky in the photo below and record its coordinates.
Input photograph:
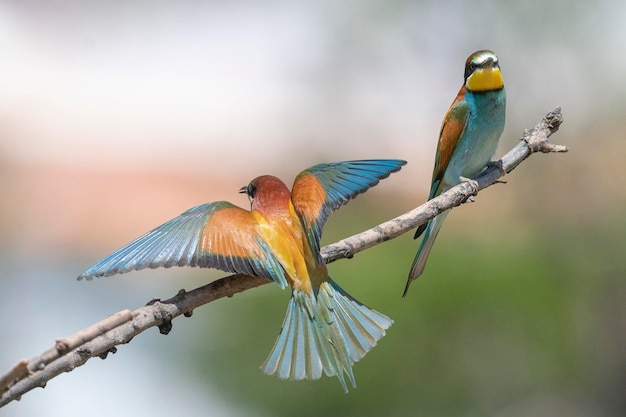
(107, 108)
(201, 86)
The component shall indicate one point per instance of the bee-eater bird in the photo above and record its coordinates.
(467, 140)
(325, 329)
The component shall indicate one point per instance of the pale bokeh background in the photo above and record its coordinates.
(116, 116)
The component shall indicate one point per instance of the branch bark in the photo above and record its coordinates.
(102, 338)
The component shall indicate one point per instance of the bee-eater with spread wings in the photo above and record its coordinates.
(325, 329)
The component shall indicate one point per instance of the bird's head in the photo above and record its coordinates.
(265, 191)
(482, 72)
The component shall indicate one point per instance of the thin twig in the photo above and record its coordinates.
(103, 337)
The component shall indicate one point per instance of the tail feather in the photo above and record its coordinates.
(297, 358)
(328, 331)
(419, 263)
(362, 327)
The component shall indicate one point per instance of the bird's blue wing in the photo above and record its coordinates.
(323, 188)
(216, 235)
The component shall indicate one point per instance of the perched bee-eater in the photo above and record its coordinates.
(467, 140)
(325, 329)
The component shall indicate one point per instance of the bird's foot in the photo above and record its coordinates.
(473, 184)
(497, 164)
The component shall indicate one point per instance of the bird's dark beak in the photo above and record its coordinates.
(489, 63)
(243, 190)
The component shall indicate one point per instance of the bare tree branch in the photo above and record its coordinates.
(534, 140)
(103, 337)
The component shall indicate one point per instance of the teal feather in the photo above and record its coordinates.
(328, 331)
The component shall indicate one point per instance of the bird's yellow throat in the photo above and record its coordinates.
(485, 79)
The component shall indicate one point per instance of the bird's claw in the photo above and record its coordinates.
(473, 184)
(497, 164)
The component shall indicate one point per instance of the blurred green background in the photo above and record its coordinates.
(116, 116)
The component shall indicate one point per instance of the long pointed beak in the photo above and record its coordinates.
(243, 190)
(490, 63)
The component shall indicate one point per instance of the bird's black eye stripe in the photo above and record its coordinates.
(251, 190)
(471, 67)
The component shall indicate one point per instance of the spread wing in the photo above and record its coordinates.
(452, 129)
(323, 188)
(216, 235)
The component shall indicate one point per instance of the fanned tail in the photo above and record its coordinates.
(328, 332)
(424, 250)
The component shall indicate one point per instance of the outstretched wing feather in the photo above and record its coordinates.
(216, 235)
